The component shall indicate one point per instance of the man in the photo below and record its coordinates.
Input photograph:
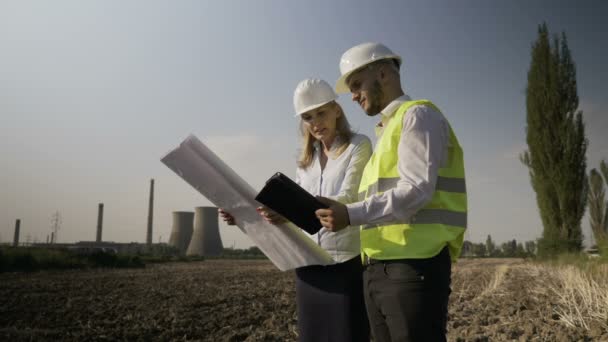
(413, 205)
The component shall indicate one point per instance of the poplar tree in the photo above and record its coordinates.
(557, 145)
(490, 246)
(598, 207)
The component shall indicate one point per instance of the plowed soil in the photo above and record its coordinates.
(227, 300)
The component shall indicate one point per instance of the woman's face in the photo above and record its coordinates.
(321, 122)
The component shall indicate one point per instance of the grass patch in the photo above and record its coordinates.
(579, 284)
(582, 296)
(593, 266)
(158, 259)
(35, 259)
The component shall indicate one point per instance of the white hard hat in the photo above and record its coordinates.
(359, 56)
(312, 93)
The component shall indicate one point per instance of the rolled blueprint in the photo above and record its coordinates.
(285, 245)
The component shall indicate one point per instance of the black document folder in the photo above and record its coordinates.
(287, 198)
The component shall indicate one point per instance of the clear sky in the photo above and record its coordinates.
(94, 93)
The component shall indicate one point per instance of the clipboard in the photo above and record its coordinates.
(287, 198)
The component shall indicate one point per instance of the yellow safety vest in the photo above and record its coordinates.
(440, 222)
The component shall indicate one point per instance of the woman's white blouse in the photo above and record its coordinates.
(339, 180)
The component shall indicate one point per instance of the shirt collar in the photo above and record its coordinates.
(389, 111)
(391, 108)
(334, 145)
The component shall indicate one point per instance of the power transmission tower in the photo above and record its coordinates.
(55, 225)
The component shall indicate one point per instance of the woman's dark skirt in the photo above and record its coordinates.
(330, 303)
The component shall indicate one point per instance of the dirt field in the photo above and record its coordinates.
(492, 300)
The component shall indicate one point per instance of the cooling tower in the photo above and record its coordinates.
(181, 232)
(206, 239)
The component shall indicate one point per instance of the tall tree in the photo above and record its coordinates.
(530, 248)
(490, 246)
(520, 252)
(509, 248)
(479, 250)
(598, 207)
(557, 145)
(467, 249)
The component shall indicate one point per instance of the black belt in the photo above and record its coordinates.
(371, 261)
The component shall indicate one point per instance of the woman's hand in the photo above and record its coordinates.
(270, 216)
(229, 219)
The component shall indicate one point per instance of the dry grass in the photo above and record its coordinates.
(497, 279)
(582, 296)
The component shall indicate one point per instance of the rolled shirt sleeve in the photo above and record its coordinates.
(422, 151)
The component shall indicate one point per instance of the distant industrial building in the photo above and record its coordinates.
(192, 233)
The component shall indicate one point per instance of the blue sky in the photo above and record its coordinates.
(93, 94)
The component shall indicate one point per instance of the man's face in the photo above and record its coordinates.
(366, 90)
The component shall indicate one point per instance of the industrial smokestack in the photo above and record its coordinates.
(206, 239)
(99, 222)
(52, 237)
(150, 213)
(181, 232)
(16, 237)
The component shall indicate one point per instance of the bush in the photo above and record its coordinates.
(34, 259)
(582, 261)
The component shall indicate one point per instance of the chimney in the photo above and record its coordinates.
(150, 213)
(16, 238)
(99, 222)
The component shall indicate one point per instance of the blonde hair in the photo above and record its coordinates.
(343, 136)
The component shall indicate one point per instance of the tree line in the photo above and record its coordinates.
(490, 249)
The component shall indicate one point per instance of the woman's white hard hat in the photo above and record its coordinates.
(312, 93)
(359, 56)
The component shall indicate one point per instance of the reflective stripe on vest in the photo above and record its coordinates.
(443, 184)
(442, 221)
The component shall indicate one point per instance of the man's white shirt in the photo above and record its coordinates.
(422, 150)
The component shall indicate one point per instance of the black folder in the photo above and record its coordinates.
(287, 198)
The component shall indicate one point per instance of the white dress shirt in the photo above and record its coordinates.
(422, 150)
(339, 180)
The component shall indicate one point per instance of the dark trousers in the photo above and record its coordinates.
(330, 303)
(407, 299)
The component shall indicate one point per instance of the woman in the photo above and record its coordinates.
(329, 298)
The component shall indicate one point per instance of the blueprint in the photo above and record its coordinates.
(285, 245)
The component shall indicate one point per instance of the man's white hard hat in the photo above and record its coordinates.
(312, 93)
(359, 56)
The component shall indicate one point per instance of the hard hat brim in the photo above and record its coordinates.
(315, 106)
(342, 87)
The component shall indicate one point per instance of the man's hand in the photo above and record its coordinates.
(335, 217)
